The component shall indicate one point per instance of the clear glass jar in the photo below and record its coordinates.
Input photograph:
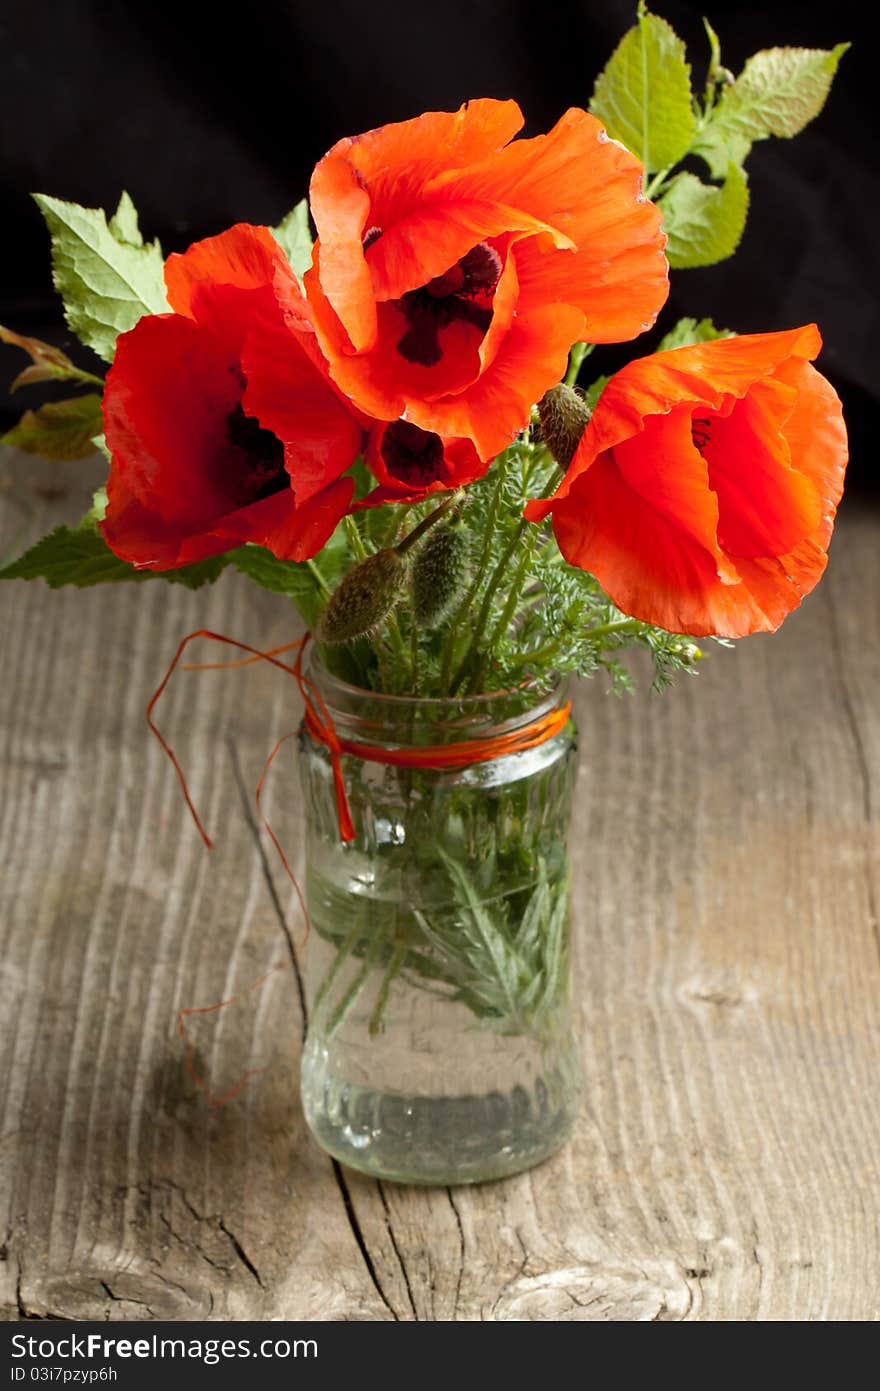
(439, 1046)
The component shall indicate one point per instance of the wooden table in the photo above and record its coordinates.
(728, 955)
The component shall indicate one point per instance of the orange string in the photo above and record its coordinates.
(189, 1047)
(319, 725)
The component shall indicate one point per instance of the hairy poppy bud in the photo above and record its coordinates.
(365, 597)
(564, 417)
(439, 572)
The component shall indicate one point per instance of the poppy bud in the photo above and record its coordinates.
(365, 597)
(439, 572)
(564, 417)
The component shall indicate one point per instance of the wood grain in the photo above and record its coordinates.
(727, 850)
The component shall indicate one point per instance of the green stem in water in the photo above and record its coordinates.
(347, 946)
(356, 986)
(392, 970)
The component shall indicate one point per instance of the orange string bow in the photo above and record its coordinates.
(319, 724)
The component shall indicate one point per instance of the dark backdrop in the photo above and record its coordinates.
(210, 114)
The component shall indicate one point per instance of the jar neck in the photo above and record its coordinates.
(372, 717)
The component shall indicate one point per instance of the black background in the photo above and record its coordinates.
(210, 114)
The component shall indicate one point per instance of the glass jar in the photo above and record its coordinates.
(439, 1045)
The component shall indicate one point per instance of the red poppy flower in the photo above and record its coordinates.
(703, 491)
(194, 469)
(453, 270)
(409, 463)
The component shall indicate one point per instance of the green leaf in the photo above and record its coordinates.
(643, 96)
(48, 362)
(98, 509)
(301, 581)
(704, 224)
(293, 234)
(80, 556)
(60, 429)
(123, 224)
(690, 331)
(778, 92)
(107, 278)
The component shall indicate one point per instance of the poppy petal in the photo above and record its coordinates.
(768, 432)
(670, 476)
(766, 506)
(142, 537)
(652, 568)
(492, 410)
(816, 434)
(456, 464)
(289, 395)
(589, 189)
(375, 180)
(243, 257)
(701, 374)
(168, 396)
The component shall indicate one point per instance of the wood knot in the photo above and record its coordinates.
(592, 1293)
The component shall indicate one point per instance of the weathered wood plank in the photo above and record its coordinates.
(728, 875)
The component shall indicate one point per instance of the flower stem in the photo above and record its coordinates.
(322, 583)
(657, 182)
(354, 538)
(392, 970)
(540, 654)
(486, 606)
(482, 566)
(521, 575)
(575, 361)
(418, 531)
(620, 625)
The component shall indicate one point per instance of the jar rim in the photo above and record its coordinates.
(317, 667)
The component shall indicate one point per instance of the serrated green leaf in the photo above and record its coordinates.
(778, 92)
(107, 283)
(98, 509)
(643, 95)
(300, 581)
(80, 556)
(294, 235)
(689, 331)
(123, 224)
(61, 430)
(704, 224)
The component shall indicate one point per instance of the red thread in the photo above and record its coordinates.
(319, 725)
(189, 1047)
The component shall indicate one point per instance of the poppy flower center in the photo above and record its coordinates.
(701, 432)
(464, 292)
(263, 454)
(411, 455)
